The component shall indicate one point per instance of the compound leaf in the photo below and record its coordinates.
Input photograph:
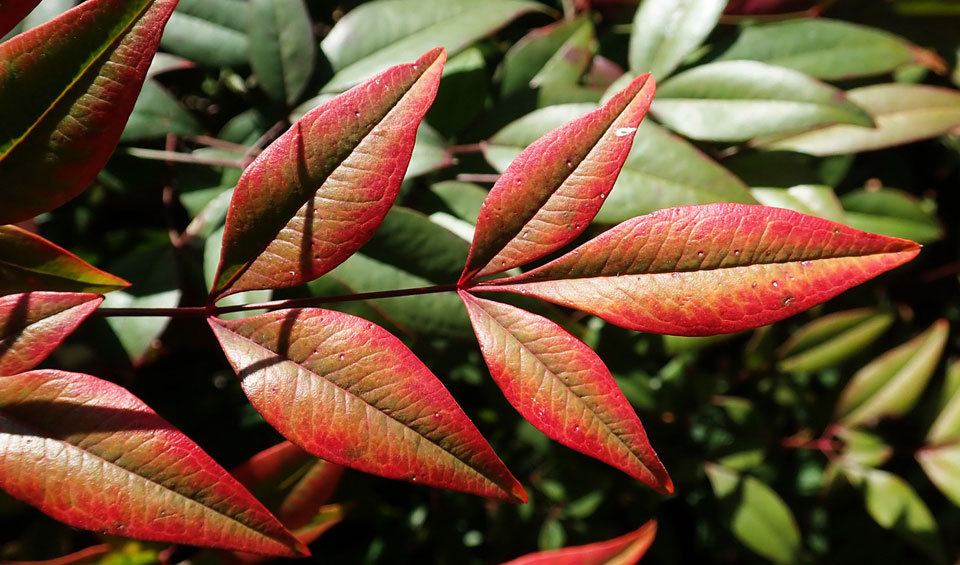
(624, 550)
(563, 388)
(350, 392)
(320, 191)
(33, 324)
(92, 455)
(554, 188)
(716, 268)
(74, 82)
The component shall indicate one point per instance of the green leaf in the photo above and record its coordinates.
(810, 199)
(941, 463)
(464, 199)
(831, 339)
(158, 113)
(378, 34)
(891, 212)
(429, 153)
(822, 48)
(73, 86)
(282, 48)
(210, 32)
(571, 60)
(903, 113)
(533, 53)
(758, 516)
(889, 385)
(863, 448)
(741, 100)
(946, 427)
(29, 262)
(552, 535)
(463, 92)
(666, 31)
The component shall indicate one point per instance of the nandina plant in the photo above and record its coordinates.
(339, 387)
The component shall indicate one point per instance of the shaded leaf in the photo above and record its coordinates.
(717, 268)
(375, 35)
(822, 48)
(758, 516)
(282, 48)
(12, 11)
(210, 32)
(741, 100)
(891, 212)
(941, 463)
(946, 427)
(889, 385)
(528, 57)
(561, 386)
(554, 188)
(29, 262)
(831, 339)
(624, 550)
(158, 113)
(164, 63)
(666, 31)
(429, 153)
(33, 324)
(92, 455)
(570, 61)
(349, 392)
(903, 113)
(809, 199)
(82, 84)
(320, 191)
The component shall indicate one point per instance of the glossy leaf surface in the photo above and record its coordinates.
(320, 191)
(282, 48)
(375, 35)
(33, 324)
(666, 31)
(903, 113)
(29, 262)
(741, 100)
(661, 170)
(81, 85)
(809, 199)
(831, 339)
(717, 268)
(890, 384)
(349, 392)
(12, 11)
(891, 212)
(92, 455)
(555, 187)
(563, 388)
(210, 32)
(624, 550)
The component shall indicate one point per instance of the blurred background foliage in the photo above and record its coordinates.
(833, 436)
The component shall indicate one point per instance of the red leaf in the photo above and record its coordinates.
(12, 11)
(320, 191)
(29, 262)
(712, 269)
(350, 392)
(73, 82)
(92, 455)
(86, 555)
(563, 388)
(624, 550)
(554, 188)
(33, 324)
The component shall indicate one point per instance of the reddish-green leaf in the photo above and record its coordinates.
(350, 392)
(92, 455)
(563, 388)
(319, 192)
(555, 187)
(624, 550)
(12, 11)
(29, 262)
(73, 82)
(716, 268)
(33, 324)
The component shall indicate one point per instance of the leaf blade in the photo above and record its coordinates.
(666, 31)
(282, 49)
(624, 550)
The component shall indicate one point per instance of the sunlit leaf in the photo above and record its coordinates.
(831, 339)
(863, 448)
(92, 455)
(890, 384)
(320, 191)
(529, 56)
(717, 268)
(741, 100)
(282, 48)
(349, 392)
(942, 466)
(666, 31)
(210, 32)
(946, 427)
(903, 113)
(555, 187)
(758, 516)
(569, 62)
(12, 11)
(891, 212)
(563, 388)
(624, 550)
(158, 113)
(73, 86)
(810, 199)
(375, 35)
(33, 324)
(29, 262)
